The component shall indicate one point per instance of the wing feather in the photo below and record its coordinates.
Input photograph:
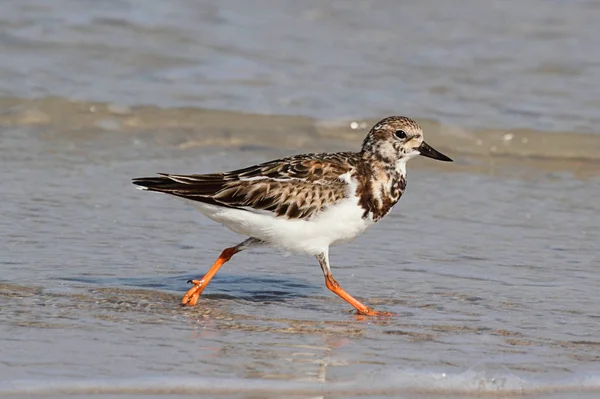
(297, 187)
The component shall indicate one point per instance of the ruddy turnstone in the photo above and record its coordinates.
(305, 203)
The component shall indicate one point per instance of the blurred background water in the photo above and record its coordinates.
(490, 262)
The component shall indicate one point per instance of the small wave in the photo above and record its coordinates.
(192, 127)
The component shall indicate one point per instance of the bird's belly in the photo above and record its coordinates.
(334, 225)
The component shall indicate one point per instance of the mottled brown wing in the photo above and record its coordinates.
(298, 187)
(309, 167)
(293, 199)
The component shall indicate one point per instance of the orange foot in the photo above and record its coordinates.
(191, 297)
(371, 312)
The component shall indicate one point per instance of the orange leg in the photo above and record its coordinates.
(191, 297)
(335, 287)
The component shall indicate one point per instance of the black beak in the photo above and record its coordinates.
(427, 151)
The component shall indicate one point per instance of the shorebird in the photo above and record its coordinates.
(305, 203)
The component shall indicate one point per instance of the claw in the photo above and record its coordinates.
(189, 282)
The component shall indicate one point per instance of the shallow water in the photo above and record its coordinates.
(492, 274)
(489, 262)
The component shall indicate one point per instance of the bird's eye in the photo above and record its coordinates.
(401, 134)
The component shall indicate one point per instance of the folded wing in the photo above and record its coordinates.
(295, 188)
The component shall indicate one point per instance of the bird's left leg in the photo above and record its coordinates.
(335, 287)
(191, 297)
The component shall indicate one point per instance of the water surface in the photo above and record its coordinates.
(490, 263)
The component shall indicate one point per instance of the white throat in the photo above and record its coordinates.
(401, 163)
(401, 166)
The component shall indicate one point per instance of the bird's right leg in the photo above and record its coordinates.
(191, 297)
(335, 287)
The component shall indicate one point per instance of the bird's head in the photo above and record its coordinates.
(396, 139)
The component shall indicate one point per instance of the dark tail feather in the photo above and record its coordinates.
(183, 186)
(195, 188)
(162, 184)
